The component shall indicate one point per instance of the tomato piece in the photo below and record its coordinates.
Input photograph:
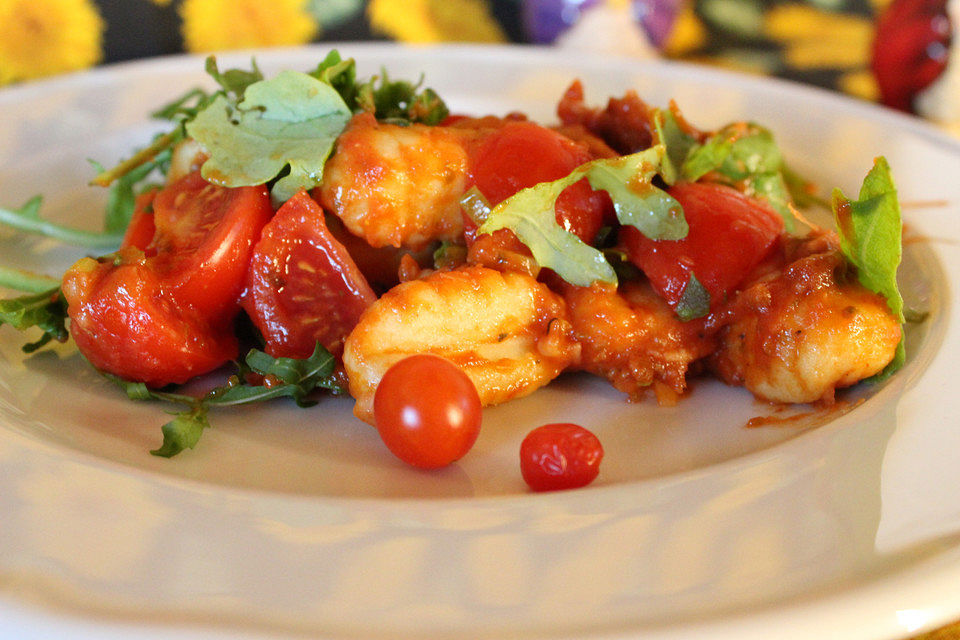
(521, 154)
(427, 411)
(204, 239)
(140, 231)
(560, 456)
(124, 324)
(730, 234)
(302, 285)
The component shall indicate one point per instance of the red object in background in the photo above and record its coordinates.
(910, 50)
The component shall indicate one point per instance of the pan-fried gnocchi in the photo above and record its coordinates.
(508, 332)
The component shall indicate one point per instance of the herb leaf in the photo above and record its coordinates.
(46, 310)
(742, 154)
(27, 219)
(183, 432)
(530, 214)
(282, 378)
(695, 301)
(290, 121)
(870, 238)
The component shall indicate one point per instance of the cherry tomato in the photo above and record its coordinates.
(163, 313)
(124, 323)
(427, 411)
(560, 456)
(204, 239)
(303, 286)
(521, 154)
(911, 49)
(730, 234)
(141, 229)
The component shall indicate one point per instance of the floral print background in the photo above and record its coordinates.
(824, 42)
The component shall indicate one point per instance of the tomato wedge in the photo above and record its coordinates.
(521, 154)
(204, 240)
(303, 286)
(161, 311)
(124, 324)
(730, 234)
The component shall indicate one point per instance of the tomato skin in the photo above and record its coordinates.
(204, 240)
(560, 456)
(161, 311)
(522, 154)
(427, 411)
(730, 234)
(123, 324)
(140, 231)
(302, 284)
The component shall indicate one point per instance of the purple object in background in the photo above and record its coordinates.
(545, 20)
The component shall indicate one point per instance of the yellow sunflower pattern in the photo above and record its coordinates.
(435, 20)
(215, 25)
(823, 42)
(44, 37)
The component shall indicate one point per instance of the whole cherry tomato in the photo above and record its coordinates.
(730, 234)
(427, 411)
(560, 456)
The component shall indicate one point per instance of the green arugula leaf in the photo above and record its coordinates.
(695, 301)
(531, 215)
(183, 432)
(870, 239)
(290, 121)
(46, 311)
(234, 82)
(742, 154)
(282, 378)
(27, 219)
(677, 141)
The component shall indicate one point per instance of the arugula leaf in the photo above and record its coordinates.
(870, 239)
(677, 141)
(46, 310)
(393, 100)
(183, 432)
(281, 378)
(290, 121)
(695, 301)
(531, 215)
(27, 219)
(234, 82)
(742, 154)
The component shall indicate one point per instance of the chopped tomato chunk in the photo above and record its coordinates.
(730, 234)
(303, 286)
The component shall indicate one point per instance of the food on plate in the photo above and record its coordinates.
(560, 456)
(428, 430)
(356, 237)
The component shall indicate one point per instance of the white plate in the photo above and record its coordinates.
(290, 521)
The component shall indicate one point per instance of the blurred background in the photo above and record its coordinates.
(896, 52)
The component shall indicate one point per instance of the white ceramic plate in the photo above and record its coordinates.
(286, 521)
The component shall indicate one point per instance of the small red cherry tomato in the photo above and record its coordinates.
(560, 456)
(427, 411)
